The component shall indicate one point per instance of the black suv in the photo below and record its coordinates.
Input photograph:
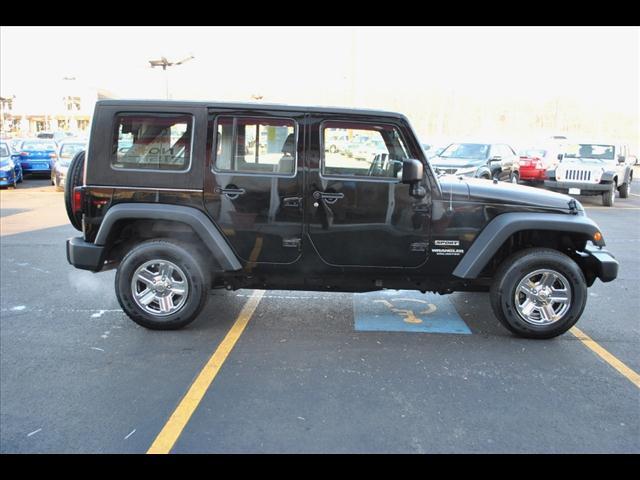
(183, 197)
(480, 160)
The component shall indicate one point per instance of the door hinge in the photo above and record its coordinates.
(291, 242)
(418, 247)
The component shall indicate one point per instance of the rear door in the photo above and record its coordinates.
(253, 188)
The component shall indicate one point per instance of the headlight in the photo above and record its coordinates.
(7, 167)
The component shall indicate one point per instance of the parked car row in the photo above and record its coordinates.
(37, 157)
(561, 165)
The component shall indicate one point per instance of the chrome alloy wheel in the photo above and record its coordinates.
(543, 297)
(159, 287)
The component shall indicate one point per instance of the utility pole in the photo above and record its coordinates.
(164, 63)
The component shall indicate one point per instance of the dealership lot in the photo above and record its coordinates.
(309, 373)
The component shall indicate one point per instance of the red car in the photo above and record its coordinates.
(534, 162)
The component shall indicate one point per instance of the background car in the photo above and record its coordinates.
(36, 155)
(10, 169)
(56, 136)
(536, 160)
(66, 151)
(369, 149)
(593, 168)
(480, 160)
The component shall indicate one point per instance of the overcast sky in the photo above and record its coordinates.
(366, 67)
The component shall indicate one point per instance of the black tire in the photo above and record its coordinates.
(186, 258)
(625, 189)
(609, 197)
(523, 263)
(74, 179)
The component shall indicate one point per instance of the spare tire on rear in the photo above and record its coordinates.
(74, 179)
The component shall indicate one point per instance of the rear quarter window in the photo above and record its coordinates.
(160, 142)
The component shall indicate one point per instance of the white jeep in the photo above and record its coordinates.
(593, 169)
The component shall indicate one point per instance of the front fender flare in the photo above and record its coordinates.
(202, 225)
(498, 230)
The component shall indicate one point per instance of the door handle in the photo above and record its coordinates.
(330, 198)
(291, 201)
(231, 193)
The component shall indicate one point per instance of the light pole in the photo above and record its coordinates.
(164, 63)
(69, 102)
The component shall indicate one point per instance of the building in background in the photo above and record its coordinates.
(66, 106)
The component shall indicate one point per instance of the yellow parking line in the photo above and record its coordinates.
(606, 356)
(169, 434)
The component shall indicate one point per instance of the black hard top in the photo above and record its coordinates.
(251, 106)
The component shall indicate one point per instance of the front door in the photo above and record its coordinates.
(253, 191)
(358, 211)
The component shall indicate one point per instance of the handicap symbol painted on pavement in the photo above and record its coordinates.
(406, 311)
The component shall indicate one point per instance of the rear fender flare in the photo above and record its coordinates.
(202, 225)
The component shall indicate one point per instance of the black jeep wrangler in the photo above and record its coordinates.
(183, 197)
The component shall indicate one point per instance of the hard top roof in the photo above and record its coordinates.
(251, 106)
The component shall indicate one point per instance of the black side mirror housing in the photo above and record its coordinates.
(621, 158)
(412, 171)
(560, 156)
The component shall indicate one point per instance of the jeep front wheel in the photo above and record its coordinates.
(161, 285)
(625, 189)
(609, 197)
(538, 293)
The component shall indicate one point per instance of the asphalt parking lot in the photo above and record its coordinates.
(76, 375)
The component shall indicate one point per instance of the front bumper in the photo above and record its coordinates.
(599, 261)
(7, 178)
(85, 255)
(585, 188)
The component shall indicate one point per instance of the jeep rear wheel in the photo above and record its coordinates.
(73, 180)
(161, 285)
(609, 197)
(538, 293)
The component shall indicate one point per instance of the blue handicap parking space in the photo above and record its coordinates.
(406, 311)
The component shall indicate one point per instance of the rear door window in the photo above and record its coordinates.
(152, 142)
(256, 145)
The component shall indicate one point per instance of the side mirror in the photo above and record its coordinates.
(412, 171)
(560, 156)
(621, 159)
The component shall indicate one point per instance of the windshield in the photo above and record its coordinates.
(37, 146)
(466, 150)
(4, 150)
(68, 150)
(590, 150)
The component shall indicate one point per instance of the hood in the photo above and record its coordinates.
(456, 162)
(485, 191)
(592, 162)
